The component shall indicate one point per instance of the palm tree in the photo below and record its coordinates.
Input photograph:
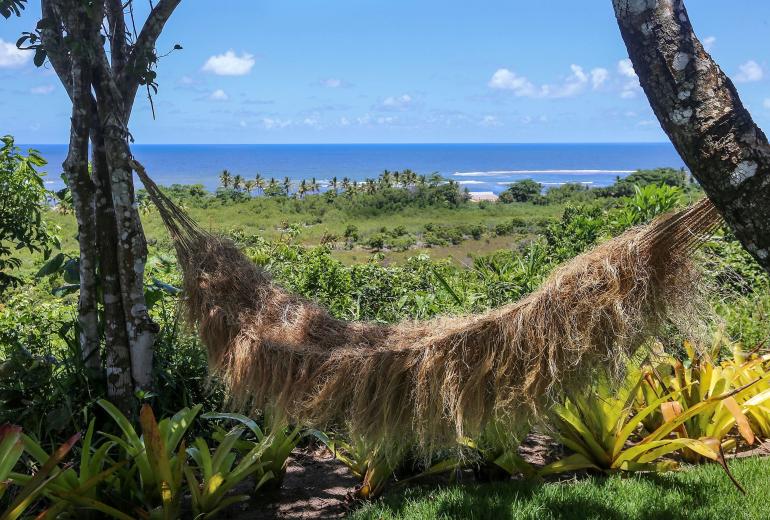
(422, 180)
(272, 184)
(371, 186)
(259, 182)
(408, 177)
(314, 187)
(249, 185)
(225, 178)
(345, 184)
(302, 188)
(396, 178)
(334, 184)
(237, 183)
(286, 185)
(385, 179)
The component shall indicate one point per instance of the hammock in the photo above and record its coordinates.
(432, 381)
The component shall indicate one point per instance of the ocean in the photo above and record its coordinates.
(479, 167)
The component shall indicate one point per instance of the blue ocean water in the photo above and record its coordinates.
(479, 167)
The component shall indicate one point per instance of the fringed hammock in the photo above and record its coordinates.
(431, 381)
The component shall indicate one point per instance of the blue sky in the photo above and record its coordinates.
(347, 71)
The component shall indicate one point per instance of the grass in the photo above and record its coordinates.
(267, 218)
(701, 492)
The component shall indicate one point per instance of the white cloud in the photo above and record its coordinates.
(11, 57)
(766, 103)
(626, 68)
(490, 121)
(270, 122)
(42, 90)
(708, 42)
(749, 71)
(219, 95)
(598, 76)
(402, 102)
(631, 87)
(332, 82)
(574, 84)
(228, 64)
(312, 122)
(504, 79)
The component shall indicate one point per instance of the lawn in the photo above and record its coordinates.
(702, 492)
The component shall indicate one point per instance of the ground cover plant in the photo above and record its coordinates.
(38, 331)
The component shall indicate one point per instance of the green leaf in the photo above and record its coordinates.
(52, 266)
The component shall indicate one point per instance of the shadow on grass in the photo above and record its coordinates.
(695, 493)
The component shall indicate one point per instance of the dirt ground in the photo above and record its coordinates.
(317, 486)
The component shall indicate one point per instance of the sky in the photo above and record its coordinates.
(371, 71)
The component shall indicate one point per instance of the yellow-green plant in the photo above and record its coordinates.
(77, 486)
(11, 449)
(755, 378)
(158, 457)
(279, 440)
(372, 462)
(598, 424)
(696, 379)
(219, 473)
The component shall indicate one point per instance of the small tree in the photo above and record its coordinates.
(21, 209)
(524, 190)
(102, 61)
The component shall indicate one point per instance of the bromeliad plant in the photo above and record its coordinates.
(742, 385)
(276, 437)
(598, 424)
(77, 486)
(157, 458)
(372, 462)
(11, 449)
(219, 473)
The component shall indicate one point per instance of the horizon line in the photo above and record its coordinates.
(381, 143)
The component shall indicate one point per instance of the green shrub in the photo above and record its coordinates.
(524, 190)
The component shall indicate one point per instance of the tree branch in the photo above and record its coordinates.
(53, 41)
(145, 45)
(116, 21)
(700, 110)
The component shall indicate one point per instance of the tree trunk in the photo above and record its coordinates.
(118, 354)
(699, 108)
(76, 170)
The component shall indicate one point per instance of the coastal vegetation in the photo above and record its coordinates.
(50, 393)
(166, 353)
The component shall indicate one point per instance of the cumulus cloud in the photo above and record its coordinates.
(575, 83)
(749, 71)
(598, 76)
(11, 57)
(631, 87)
(626, 68)
(708, 42)
(219, 95)
(42, 90)
(504, 79)
(229, 64)
(402, 102)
